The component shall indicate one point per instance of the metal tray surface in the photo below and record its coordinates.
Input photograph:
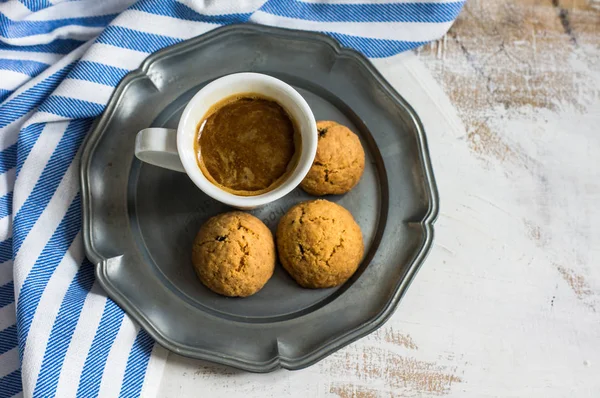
(140, 220)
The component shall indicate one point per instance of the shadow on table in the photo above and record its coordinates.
(181, 364)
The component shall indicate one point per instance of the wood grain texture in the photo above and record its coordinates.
(507, 304)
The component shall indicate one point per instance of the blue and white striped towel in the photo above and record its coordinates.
(59, 62)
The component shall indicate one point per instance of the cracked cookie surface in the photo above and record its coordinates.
(339, 162)
(319, 244)
(234, 254)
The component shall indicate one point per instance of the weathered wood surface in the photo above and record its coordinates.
(508, 302)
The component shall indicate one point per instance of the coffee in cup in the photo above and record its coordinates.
(247, 144)
(258, 151)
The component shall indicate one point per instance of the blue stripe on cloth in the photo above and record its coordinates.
(8, 158)
(7, 294)
(44, 267)
(181, 11)
(8, 339)
(11, 384)
(364, 12)
(375, 48)
(131, 39)
(27, 139)
(97, 73)
(51, 176)
(16, 29)
(6, 250)
(58, 46)
(62, 331)
(137, 364)
(25, 102)
(4, 94)
(36, 5)
(26, 67)
(6, 204)
(91, 376)
(71, 107)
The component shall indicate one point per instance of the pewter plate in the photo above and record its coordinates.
(140, 220)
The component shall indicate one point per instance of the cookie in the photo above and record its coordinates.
(234, 254)
(319, 244)
(339, 163)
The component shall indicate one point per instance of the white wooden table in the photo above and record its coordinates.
(508, 302)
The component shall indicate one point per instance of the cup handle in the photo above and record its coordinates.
(158, 146)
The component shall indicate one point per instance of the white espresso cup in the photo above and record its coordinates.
(174, 149)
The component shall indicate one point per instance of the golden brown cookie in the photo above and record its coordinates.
(234, 254)
(339, 163)
(319, 244)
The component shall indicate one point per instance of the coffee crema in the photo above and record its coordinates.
(247, 144)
